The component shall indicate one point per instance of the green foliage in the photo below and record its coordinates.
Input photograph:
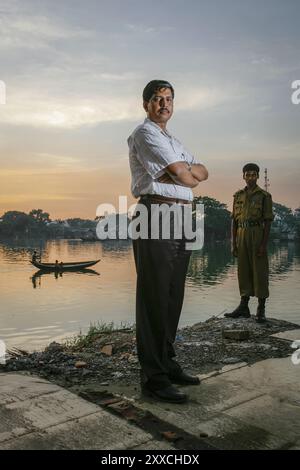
(95, 331)
(217, 220)
(15, 222)
(81, 223)
(20, 223)
(39, 216)
(297, 221)
(284, 219)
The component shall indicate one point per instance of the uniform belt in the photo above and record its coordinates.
(164, 199)
(249, 223)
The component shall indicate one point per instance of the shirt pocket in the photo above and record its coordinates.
(256, 209)
(238, 208)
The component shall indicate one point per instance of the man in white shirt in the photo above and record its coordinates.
(163, 172)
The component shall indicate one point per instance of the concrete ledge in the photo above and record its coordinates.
(35, 414)
(292, 335)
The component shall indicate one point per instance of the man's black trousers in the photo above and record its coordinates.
(161, 267)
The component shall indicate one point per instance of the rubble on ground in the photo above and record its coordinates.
(111, 357)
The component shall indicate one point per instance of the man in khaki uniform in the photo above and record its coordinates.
(251, 222)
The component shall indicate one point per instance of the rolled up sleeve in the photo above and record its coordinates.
(190, 159)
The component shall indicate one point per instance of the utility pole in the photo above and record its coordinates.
(267, 181)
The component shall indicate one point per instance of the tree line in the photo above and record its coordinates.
(217, 222)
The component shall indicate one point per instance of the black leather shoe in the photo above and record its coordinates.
(184, 379)
(169, 394)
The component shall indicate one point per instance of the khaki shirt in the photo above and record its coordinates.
(253, 205)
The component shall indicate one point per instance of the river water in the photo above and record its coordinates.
(36, 309)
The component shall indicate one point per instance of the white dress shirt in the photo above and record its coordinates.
(151, 150)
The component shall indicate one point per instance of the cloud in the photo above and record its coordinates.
(36, 31)
(44, 111)
(30, 109)
(73, 112)
(59, 161)
(20, 198)
(43, 27)
(261, 60)
(126, 76)
(143, 29)
(204, 97)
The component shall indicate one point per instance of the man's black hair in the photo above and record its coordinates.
(154, 86)
(251, 167)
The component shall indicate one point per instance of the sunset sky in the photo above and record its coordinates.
(75, 70)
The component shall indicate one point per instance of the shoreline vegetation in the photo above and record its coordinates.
(106, 355)
(38, 224)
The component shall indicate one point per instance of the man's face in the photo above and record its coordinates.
(160, 106)
(251, 178)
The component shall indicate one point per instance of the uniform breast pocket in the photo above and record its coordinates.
(256, 210)
(238, 208)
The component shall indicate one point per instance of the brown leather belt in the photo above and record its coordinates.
(163, 199)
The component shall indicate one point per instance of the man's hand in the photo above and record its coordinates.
(262, 250)
(199, 171)
(165, 178)
(183, 174)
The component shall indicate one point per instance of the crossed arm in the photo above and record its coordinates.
(184, 175)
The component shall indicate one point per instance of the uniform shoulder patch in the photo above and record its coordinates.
(238, 192)
(266, 193)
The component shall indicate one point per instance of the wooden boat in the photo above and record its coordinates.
(76, 266)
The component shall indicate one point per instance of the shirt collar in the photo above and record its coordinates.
(255, 190)
(152, 123)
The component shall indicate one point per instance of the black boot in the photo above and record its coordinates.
(260, 316)
(241, 311)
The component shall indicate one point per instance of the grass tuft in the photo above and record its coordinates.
(95, 331)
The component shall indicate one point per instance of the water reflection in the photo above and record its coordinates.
(210, 265)
(116, 246)
(36, 278)
(281, 257)
(38, 306)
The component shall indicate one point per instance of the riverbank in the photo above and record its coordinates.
(106, 356)
(250, 404)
